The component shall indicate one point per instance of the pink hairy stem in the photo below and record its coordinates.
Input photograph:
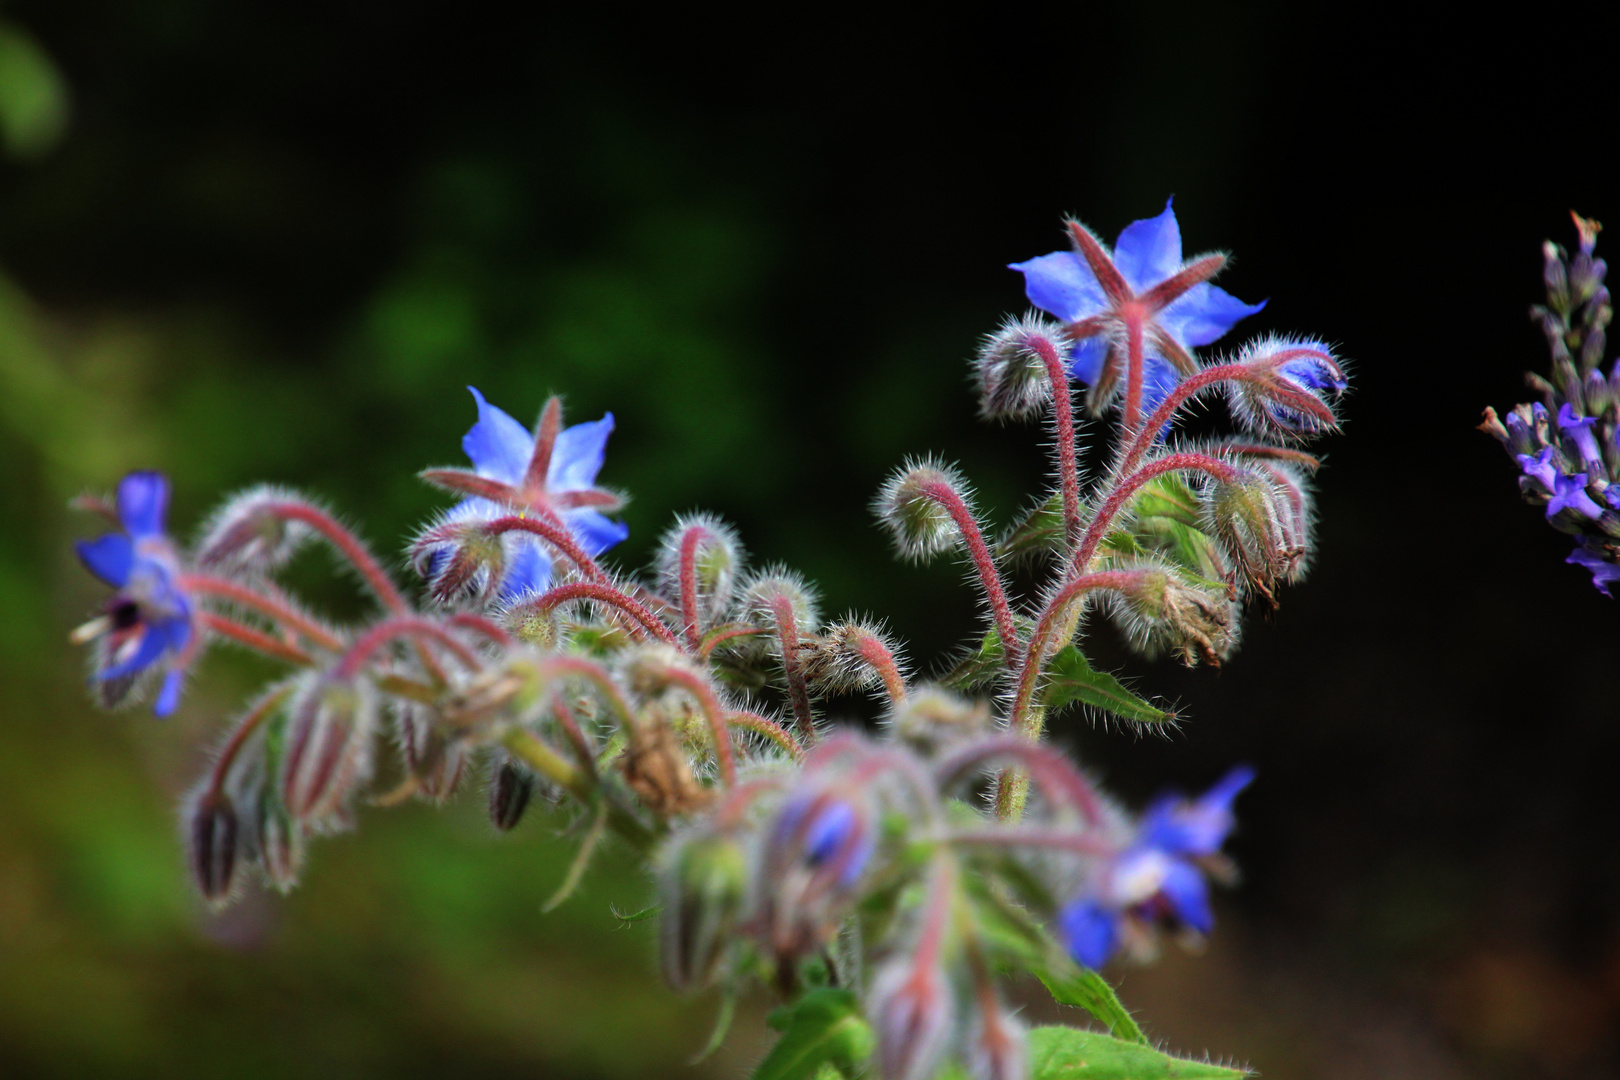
(773, 731)
(713, 713)
(787, 632)
(255, 639)
(1054, 839)
(1063, 419)
(609, 596)
(876, 655)
(989, 576)
(1049, 768)
(1134, 375)
(554, 532)
(576, 737)
(1052, 616)
(1128, 487)
(480, 625)
(349, 546)
(413, 627)
(561, 666)
(690, 542)
(249, 724)
(269, 606)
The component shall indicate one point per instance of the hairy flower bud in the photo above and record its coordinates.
(909, 506)
(932, 716)
(1246, 516)
(280, 846)
(1165, 609)
(460, 560)
(212, 843)
(248, 536)
(778, 589)
(702, 554)
(847, 656)
(815, 853)
(431, 756)
(327, 746)
(1289, 388)
(511, 788)
(704, 885)
(1010, 373)
(912, 1009)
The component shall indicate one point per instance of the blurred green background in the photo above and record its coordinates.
(253, 241)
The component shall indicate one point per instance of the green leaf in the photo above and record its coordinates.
(824, 1030)
(977, 667)
(1059, 1053)
(1070, 984)
(1070, 678)
(1041, 530)
(33, 96)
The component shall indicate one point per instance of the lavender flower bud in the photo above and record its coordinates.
(911, 1009)
(815, 853)
(247, 536)
(327, 752)
(920, 525)
(460, 561)
(716, 558)
(511, 788)
(1553, 276)
(1290, 389)
(705, 882)
(1010, 374)
(211, 835)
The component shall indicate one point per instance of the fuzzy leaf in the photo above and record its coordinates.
(1040, 531)
(1059, 1053)
(1070, 678)
(824, 1030)
(1070, 984)
(977, 667)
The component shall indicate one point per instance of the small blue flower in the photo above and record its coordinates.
(1570, 494)
(1143, 278)
(1579, 431)
(1157, 876)
(551, 471)
(148, 622)
(1541, 469)
(1604, 573)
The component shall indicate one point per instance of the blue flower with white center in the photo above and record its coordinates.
(1143, 288)
(1157, 877)
(147, 624)
(550, 473)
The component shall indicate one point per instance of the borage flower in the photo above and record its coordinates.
(550, 475)
(1140, 292)
(147, 623)
(1158, 878)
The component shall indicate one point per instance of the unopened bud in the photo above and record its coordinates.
(932, 716)
(511, 788)
(431, 756)
(815, 854)
(281, 848)
(911, 1010)
(846, 657)
(1246, 517)
(327, 746)
(1553, 276)
(706, 550)
(1292, 385)
(775, 590)
(1165, 610)
(1010, 370)
(211, 834)
(248, 535)
(460, 560)
(910, 506)
(705, 882)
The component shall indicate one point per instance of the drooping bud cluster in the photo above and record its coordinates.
(915, 506)
(1565, 445)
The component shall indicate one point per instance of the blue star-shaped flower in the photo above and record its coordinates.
(1157, 876)
(148, 622)
(550, 473)
(1142, 288)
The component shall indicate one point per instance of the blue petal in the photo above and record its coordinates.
(1188, 896)
(168, 698)
(152, 645)
(1062, 285)
(1148, 251)
(1203, 313)
(1086, 359)
(528, 571)
(577, 457)
(1090, 931)
(1603, 573)
(595, 532)
(498, 445)
(143, 499)
(828, 831)
(110, 558)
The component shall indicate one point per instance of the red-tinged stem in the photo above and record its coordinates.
(480, 625)
(690, 542)
(582, 746)
(545, 439)
(1172, 288)
(1048, 768)
(718, 637)
(1134, 375)
(1130, 485)
(877, 656)
(1056, 614)
(787, 632)
(268, 606)
(248, 725)
(606, 595)
(556, 667)
(773, 731)
(413, 627)
(255, 639)
(1063, 419)
(699, 688)
(989, 576)
(1275, 453)
(349, 546)
(729, 814)
(554, 533)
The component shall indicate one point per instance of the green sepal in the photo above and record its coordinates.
(1071, 678)
(1040, 531)
(1071, 984)
(823, 1030)
(1060, 1053)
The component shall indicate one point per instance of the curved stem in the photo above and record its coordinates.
(699, 688)
(787, 632)
(268, 606)
(1051, 769)
(1063, 420)
(1055, 839)
(554, 533)
(773, 731)
(349, 546)
(877, 656)
(405, 626)
(604, 594)
(1055, 614)
(255, 639)
(694, 537)
(1126, 488)
(479, 624)
(989, 576)
(560, 666)
(248, 725)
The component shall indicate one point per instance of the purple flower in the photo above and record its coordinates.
(1157, 877)
(1541, 469)
(1603, 572)
(1570, 494)
(1579, 431)
(1142, 283)
(551, 473)
(148, 622)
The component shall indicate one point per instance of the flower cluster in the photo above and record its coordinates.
(890, 874)
(1565, 447)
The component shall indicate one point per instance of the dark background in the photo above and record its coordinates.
(275, 240)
